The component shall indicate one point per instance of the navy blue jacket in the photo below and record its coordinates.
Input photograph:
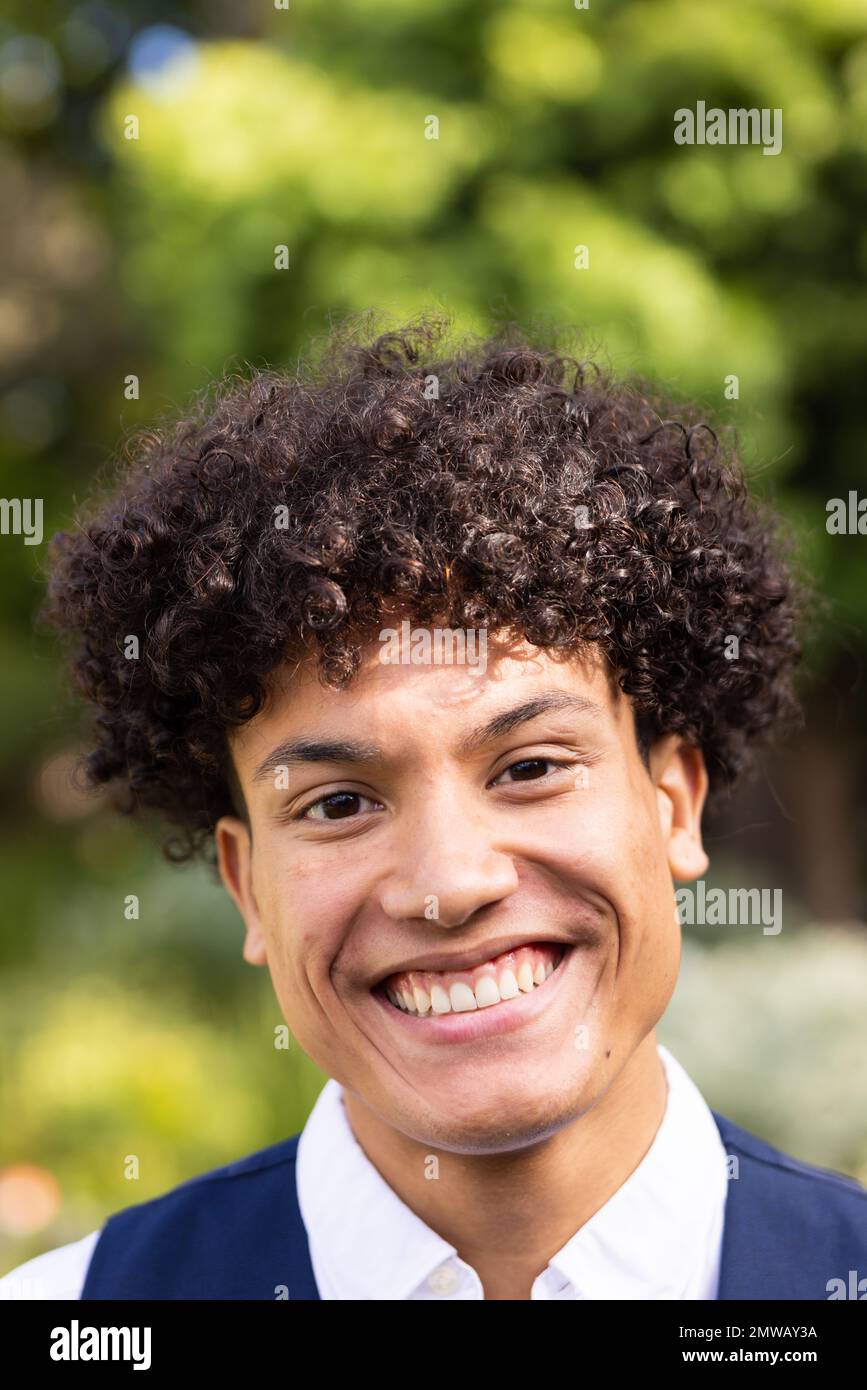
(237, 1233)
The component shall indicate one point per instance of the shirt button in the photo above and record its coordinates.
(443, 1279)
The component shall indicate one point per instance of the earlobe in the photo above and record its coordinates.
(254, 950)
(234, 856)
(686, 856)
(681, 785)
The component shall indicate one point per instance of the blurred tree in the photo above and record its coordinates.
(457, 154)
(258, 128)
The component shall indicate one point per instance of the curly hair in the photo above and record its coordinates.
(504, 485)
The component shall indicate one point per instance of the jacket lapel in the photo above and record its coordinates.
(766, 1251)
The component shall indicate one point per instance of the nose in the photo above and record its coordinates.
(445, 866)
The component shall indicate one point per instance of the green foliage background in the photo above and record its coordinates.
(155, 257)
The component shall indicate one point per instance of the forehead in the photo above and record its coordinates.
(434, 705)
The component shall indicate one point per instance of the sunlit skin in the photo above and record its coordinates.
(536, 1128)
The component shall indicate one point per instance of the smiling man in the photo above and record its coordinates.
(459, 876)
(468, 918)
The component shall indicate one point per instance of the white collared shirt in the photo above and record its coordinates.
(658, 1237)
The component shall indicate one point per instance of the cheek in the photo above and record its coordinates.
(616, 840)
(303, 919)
(296, 918)
(627, 852)
(617, 853)
(655, 932)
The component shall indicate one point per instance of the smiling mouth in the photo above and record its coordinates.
(429, 994)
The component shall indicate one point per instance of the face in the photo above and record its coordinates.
(435, 816)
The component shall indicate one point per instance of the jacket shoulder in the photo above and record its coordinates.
(826, 1182)
(792, 1230)
(211, 1183)
(233, 1232)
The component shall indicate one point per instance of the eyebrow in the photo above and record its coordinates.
(309, 750)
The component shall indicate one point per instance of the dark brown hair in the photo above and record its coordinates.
(504, 484)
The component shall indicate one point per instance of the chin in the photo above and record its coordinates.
(501, 1123)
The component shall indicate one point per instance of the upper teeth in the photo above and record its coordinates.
(520, 971)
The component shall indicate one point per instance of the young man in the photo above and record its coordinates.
(443, 657)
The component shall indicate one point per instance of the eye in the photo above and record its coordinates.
(527, 768)
(342, 802)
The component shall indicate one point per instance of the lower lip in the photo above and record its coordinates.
(473, 1024)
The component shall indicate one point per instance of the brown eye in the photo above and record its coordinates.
(527, 763)
(528, 769)
(343, 803)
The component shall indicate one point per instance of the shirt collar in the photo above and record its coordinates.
(365, 1242)
(658, 1236)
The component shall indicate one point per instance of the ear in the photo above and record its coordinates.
(235, 859)
(680, 779)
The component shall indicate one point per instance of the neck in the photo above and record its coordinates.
(549, 1190)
